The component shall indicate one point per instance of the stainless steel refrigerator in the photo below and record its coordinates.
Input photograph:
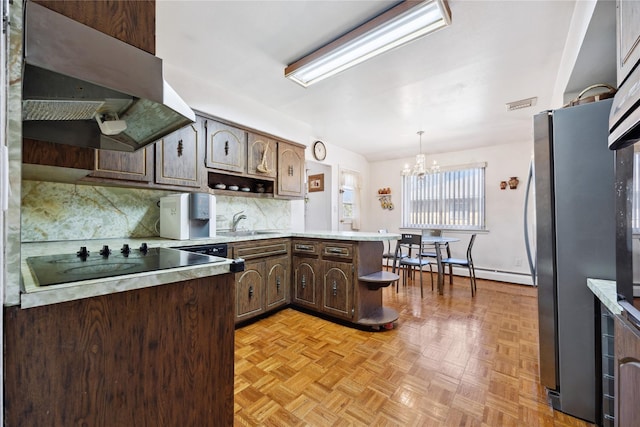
(575, 239)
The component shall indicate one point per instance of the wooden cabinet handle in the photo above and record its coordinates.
(250, 291)
(335, 288)
(278, 284)
(290, 171)
(226, 148)
(303, 282)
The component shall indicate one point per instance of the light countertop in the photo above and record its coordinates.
(34, 295)
(605, 291)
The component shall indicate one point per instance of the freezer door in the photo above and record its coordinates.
(545, 250)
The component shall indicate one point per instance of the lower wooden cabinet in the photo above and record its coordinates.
(627, 374)
(250, 286)
(264, 284)
(305, 281)
(278, 273)
(337, 289)
(323, 277)
(157, 356)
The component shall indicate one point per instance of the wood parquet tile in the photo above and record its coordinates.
(450, 361)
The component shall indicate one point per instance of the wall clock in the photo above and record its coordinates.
(319, 150)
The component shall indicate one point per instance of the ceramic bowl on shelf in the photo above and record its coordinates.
(245, 189)
(233, 187)
(220, 186)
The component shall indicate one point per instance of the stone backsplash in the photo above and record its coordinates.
(55, 211)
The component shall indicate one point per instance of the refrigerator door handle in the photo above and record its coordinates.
(527, 242)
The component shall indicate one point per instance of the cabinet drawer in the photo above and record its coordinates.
(259, 251)
(337, 250)
(306, 247)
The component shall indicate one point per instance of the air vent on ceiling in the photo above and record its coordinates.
(523, 103)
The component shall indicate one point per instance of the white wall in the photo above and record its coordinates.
(502, 247)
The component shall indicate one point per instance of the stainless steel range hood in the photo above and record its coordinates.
(82, 87)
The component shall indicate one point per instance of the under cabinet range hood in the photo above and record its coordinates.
(82, 87)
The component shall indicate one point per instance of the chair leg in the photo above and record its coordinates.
(421, 290)
(450, 274)
(431, 274)
(473, 271)
(471, 281)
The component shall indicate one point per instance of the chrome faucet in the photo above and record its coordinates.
(236, 219)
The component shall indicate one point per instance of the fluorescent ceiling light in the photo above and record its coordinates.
(397, 26)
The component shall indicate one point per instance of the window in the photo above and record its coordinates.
(350, 198)
(450, 199)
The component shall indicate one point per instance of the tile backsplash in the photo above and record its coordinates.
(55, 211)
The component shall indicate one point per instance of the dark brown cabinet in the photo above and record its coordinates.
(306, 273)
(628, 37)
(132, 21)
(250, 286)
(278, 283)
(290, 170)
(158, 356)
(264, 284)
(225, 147)
(178, 157)
(137, 166)
(627, 374)
(337, 285)
(262, 153)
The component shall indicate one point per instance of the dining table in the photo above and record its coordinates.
(438, 241)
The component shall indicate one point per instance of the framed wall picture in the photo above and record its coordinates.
(316, 182)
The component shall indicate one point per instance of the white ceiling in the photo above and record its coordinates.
(453, 84)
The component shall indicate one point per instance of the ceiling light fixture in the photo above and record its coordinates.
(419, 169)
(397, 26)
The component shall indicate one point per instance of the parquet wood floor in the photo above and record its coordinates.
(450, 361)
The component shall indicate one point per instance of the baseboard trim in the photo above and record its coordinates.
(497, 275)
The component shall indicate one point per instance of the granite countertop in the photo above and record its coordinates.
(605, 291)
(34, 295)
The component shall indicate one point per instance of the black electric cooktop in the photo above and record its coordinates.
(65, 268)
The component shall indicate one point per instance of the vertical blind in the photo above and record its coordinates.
(452, 198)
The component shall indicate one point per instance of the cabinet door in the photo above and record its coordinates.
(337, 285)
(249, 291)
(628, 26)
(305, 279)
(290, 170)
(278, 273)
(627, 374)
(225, 147)
(136, 166)
(261, 155)
(177, 157)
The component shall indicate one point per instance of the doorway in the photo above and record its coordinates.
(317, 207)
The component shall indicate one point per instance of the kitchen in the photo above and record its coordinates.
(509, 256)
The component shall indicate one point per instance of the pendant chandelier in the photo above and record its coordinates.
(420, 169)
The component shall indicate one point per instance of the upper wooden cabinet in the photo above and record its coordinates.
(137, 166)
(290, 170)
(132, 21)
(225, 146)
(628, 37)
(261, 155)
(178, 157)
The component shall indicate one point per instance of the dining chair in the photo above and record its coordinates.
(412, 244)
(429, 249)
(468, 262)
(387, 253)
